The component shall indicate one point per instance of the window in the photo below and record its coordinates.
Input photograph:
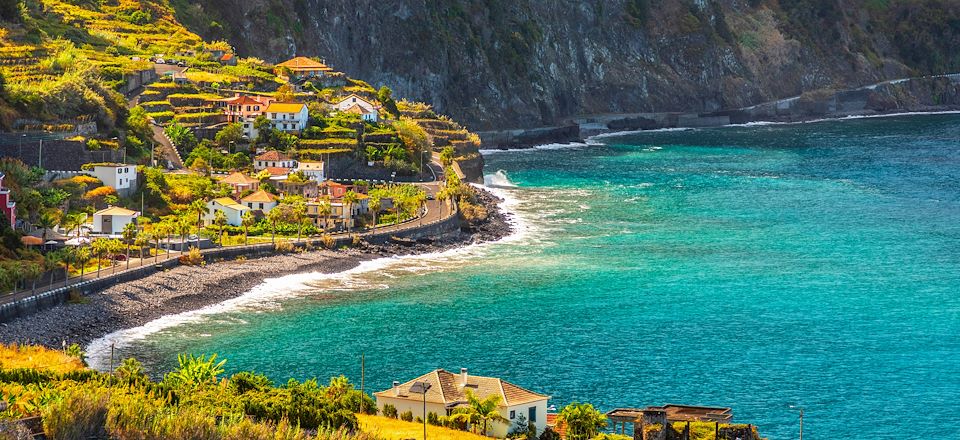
(533, 414)
(261, 206)
(513, 414)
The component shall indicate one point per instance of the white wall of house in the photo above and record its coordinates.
(539, 412)
(111, 224)
(414, 406)
(234, 216)
(289, 122)
(121, 178)
(264, 164)
(263, 206)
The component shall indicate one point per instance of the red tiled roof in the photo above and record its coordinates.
(277, 171)
(273, 156)
(243, 100)
(226, 57)
(448, 390)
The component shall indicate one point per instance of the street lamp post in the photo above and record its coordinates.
(422, 388)
(799, 408)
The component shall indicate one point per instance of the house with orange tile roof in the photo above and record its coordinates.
(273, 159)
(301, 68)
(261, 201)
(244, 109)
(241, 183)
(233, 209)
(448, 391)
(228, 59)
(355, 104)
(290, 117)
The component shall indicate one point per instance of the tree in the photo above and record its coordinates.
(348, 200)
(46, 222)
(273, 217)
(31, 270)
(129, 234)
(447, 155)
(230, 135)
(220, 220)
(182, 226)
(582, 421)
(385, 96)
(247, 220)
(324, 209)
(480, 411)
(298, 212)
(181, 137)
(162, 230)
(140, 241)
(264, 129)
(199, 207)
(195, 371)
(200, 165)
(82, 257)
(375, 206)
(100, 246)
(284, 94)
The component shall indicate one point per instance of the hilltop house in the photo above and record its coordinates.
(241, 182)
(9, 207)
(228, 59)
(300, 69)
(312, 169)
(112, 220)
(244, 109)
(231, 208)
(273, 159)
(261, 201)
(290, 117)
(448, 391)
(357, 105)
(122, 178)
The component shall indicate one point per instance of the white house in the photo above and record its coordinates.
(312, 169)
(448, 391)
(287, 116)
(273, 159)
(355, 104)
(122, 178)
(112, 220)
(260, 200)
(231, 208)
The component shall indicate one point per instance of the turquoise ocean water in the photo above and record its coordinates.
(754, 267)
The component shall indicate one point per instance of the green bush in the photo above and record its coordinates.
(389, 411)
(406, 416)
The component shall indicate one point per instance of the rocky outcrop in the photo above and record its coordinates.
(497, 64)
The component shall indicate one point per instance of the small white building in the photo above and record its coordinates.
(260, 200)
(273, 159)
(367, 110)
(448, 391)
(112, 220)
(288, 117)
(231, 208)
(312, 169)
(122, 178)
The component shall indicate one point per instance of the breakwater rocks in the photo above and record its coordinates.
(184, 288)
(911, 95)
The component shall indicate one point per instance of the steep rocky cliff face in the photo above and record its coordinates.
(522, 63)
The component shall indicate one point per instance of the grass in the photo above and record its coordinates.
(38, 358)
(210, 77)
(393, 429)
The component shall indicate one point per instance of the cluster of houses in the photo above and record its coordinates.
(247, 196)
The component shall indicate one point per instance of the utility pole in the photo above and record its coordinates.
(40, 158)
(800, 408)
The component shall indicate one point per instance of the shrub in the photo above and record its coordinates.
(406, 416)
(283, 247)
(329, 242)
(390, 411)
(193, 257)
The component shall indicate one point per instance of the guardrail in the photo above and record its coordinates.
(23, 304)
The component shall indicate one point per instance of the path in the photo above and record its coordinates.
(167, 150)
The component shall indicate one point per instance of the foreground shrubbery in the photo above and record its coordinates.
(194, 401)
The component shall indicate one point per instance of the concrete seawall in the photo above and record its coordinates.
(447, 228)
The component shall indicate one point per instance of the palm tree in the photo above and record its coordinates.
(73, 221)
(99, 246)
(82, 255)
(32, 270)
(274, 216)
(298, 211)
(375, 206)
(324, 209)
(141, 240)
(582, 421)
(51, 262)
(115, 247)
(199, 207)
(247, 221)
(220, 219)
(477, 411)
(182, 226)
(348, 200)
(129, 234)
(46, 222)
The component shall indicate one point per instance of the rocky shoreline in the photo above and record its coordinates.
(186, 288)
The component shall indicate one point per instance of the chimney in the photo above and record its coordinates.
(396, 388)
(463, 377)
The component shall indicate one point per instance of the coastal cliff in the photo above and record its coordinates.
(496, 64)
